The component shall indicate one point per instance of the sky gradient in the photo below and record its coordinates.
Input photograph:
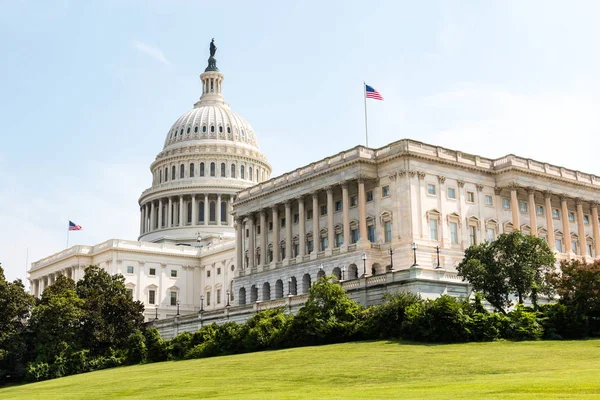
(90, 89)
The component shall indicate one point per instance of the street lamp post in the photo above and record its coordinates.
(228, 294)
(156, 314)
(343, 272)
(414, 249)
(201, 303)
(178, 307)
(391, 258)
(364, 258)
(437, 250)
(290, 287)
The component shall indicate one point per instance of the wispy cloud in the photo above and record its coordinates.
(153, 52)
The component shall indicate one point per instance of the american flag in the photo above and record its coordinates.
(74, 227)
(372, 93)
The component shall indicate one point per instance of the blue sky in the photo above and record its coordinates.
(89, 90)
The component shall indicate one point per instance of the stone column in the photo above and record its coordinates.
(514, 206)
(581, 230)
(596, 228)
(549, 221)
(141, 220)
(152, 214)
(181, 220)
(441, 199)
(315, 202)
(194, 207)
(330, 212)
(218, 210)
(170, 213)
(206, 209)
(362, 213)
(532, 212)
(565, 222)
(288, 230)
(275, 233)
(301, 228)
(160, 214)
(264, 231)
(239, 250)
(251, 246)
(346, 213)
(230, 208)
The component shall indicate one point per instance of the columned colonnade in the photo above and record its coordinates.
(40, 284)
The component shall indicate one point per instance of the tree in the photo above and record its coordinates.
(110, 316)
(56, 321)
(513, 264)
(15, 306)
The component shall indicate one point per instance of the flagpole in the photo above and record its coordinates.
(68, 233)
(366, 125)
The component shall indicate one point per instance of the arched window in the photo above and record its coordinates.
(224, 212)
(305, 283)
(256, 180)
(212, 214)
(220, 129)
(250, 173)
(204, 129)
(233, 170)
(182, 171)
(266, 292)
(160, 176)
(173, 171)
(292, 286)
(181, 132)
(201, 213)
(212, 128)
(337, 272)
(201, 169)
(279, 289)
(242, 172)
(166, 174)
(253, 294)
(242, 296)
(228, 130)
(195, 129)
(191, 170)
(189, 212)
(222, 170)
(212, 169)
(188, 130)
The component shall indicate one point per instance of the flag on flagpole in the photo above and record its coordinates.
(372, 93)
(74, 227)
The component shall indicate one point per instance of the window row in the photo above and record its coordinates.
(206, 128)
(151, 271)
(256, 174)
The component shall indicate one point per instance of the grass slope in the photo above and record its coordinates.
(383, 370)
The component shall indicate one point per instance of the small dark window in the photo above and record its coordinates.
(173, 171)
(370, 195)
(188, 130)
(233, 170)
(195, 129)
(166, 174)
(201, 169)
(181, 171)
(212, 169)
(271, 226)
(223, 170)
(181, 132)
(228, 130)
(204, 129)
(192, 170)
(220, 129)
(212, 128)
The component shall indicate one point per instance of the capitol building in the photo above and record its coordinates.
(220, 239)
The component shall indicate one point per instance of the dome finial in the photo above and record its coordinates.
(212, 61)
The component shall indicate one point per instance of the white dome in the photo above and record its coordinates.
(211, 121)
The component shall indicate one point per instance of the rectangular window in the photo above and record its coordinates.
(309, 214)
(130, 269)
(324, 210)
(431, 189)
(324, 243)
(470, 197)
(173, 298)
(339, 239)
(296, 218)
(385, 191)
(130, 292)
(558, 245)
(219, 271)
(151, 296)
(218, 296)
(433, 231)
(258, 229)
(354, 234)
(473, 235)
(338, 205)
(453, 232)
(247, 232)
(208, 298)
(539, 210)
(295, 248)
(310, 245)
(388, 231)
(208, 274)
(353, 201)
(451, 193)
(586, 219)
(506, 204)
(589, 250)
(370, 195)
(574, 246)
(523, 207)
(491, 234)
(270, 226)
(371, 233)
(173, 273)
(555, 213)
(152, 272)
(571, 216)
(283, 222)
(489, 200)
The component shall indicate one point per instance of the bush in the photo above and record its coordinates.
(137, 352)
(78, 362)
(38, 372)
(384, 321)
(523, 325)
(562, 322)
(155, 345)
(265, 330)
(439, 320)
(228, 339)
(179, 345)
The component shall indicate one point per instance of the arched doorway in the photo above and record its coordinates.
(337, 272)
(305, 283)
(293, 286)
(266, 292)
(279, 289)
(320, 274)
(242, 296)
(253, 294)
(352, 272)
(377, 269)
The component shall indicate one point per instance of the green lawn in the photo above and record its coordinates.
(383, 370)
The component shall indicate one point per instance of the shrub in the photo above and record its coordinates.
(205, 334)
(562, 322)
(439, 320)
(156, 346)
(77, 362)
(37, 372)
(265, 330)
(384, 321)
(137, 351)
(180, 345)
(523, 325)
(228, 339)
